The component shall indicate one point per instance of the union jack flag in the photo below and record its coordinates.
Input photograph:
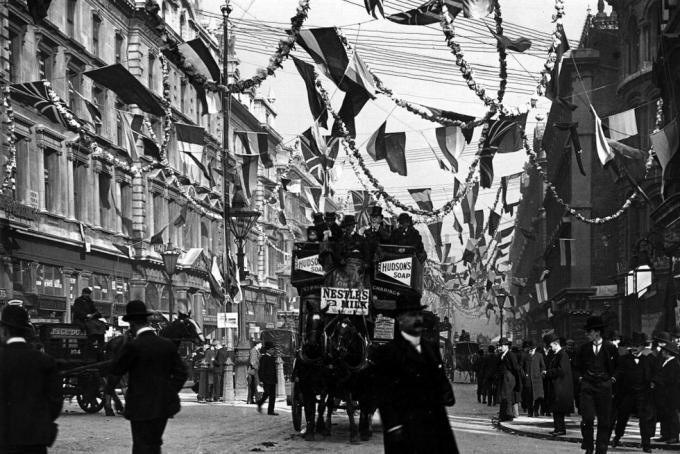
(362, 201)
(35, 94)
(320, 154)
(505, 136)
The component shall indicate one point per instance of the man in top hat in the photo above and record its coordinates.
(534, 368)
(351, 240)
(666, 391)
(377, 230)
(558, 371)
(406, 235)
(596, 363)
(268, 379)
(30, 390)
(508, 376)
(332, 232)
(634, 381)
(414, 390)
(156, 375)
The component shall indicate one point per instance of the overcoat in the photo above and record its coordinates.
(508, 377)
(534, 380)
(413, 392)
(559, 374)
(30, 396)
(156, 374)
(667, 385)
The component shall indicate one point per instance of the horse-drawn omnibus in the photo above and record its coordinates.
(347, 306)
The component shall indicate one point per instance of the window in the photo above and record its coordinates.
(51, 169)
(182, 94)
(159, 220)
(105, 201)
(119, 125)
(21, 276)
(126, 208)
(205, 235)
(16, 45)
(150, 70)
(121, 290)
(96, 25)
(182, 25)
(74, 78)
(71, 18)
(23, 168)
(99, 283)
(48, 280)
(45, 65)
(80, 191)
(99, 100)
(119, 48)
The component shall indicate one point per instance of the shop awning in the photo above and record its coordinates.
(128, 88)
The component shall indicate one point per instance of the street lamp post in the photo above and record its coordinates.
(170, 256)
(241, 222)
(500, 299)
(226, 110)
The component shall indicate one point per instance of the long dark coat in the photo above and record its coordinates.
(30, 396)
(559, 374)
(412, 394)
(534, 380)
(508, 376)
(667, 385)
(156, 376)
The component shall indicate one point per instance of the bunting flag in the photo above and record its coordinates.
(191, 142)
(467, 132)
(468, 202)
(469, 253)
(157, 238)
(128, 88)
(358, 72)
(505, 135)
(248, 175)
(199, 56)
(362, 201)
(504, 233)
(510, 208)
(376, 144)
(553, 90)
(458, 228)
(182, 217)
(436, 231)
(35, 94)
(320, 153)
(622, 125)
(255, 143)
(216, 279)
(316, 102)
(494, 222)
(479, 224)
(666, 142)
(604, 152)
(575, 142)
(327, 51)
(504, 246)
(518, 45)
(426, 14)
(372, 5)
(354, 101)
(447, 251)
(541, 291)
(422, 198)
(130, 141)
(565, 251)
(451, 142)
(486, 167)
(38, 9)
(395, 147)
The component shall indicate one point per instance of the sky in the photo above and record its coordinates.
(416, 64)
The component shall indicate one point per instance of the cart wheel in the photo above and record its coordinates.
(90, 393)
(296, 406)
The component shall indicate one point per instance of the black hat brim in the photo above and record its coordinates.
(14, 325)
(136, 315)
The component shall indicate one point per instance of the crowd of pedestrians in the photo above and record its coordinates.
(607, 379)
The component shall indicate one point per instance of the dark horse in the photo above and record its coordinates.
(346, 357)
(180, 329)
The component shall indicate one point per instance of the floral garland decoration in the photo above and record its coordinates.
(167, 106)
(281, 54)
(550, 62)
(352, 151)
(10, 167)
(533, 159)
(502, 54)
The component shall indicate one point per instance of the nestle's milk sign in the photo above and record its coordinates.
(309, 264)
(398, 269)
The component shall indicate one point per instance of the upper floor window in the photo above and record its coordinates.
(96, 26)
(119, 125)
(16, 45)
(99, 100)
(150, 71)
(126, 207)
(74, 78)
(51, 169)
(182, 94)
(45, 64)
(119, 48)
(80, 190)
(71, 17)
(105, 201)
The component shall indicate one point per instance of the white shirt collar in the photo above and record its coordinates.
(667, 360)
(413, 340)
(145, 329)
(15, 340)
(597, 344)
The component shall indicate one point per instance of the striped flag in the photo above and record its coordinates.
(316, 103)
(358, 72)
(191, 142)
(469, 253)
(436, 231)
(327, 51)
(666, 143)
(199, 56)
(479, 224)
(451, 142)
(376, 144)
(469, 201)
(422, 198)
(35, 94)
(248, 175)
(506, 181)
(622, 125)
(565, 251)
(604, 152)
(255, 143)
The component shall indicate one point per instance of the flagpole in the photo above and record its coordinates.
(226, 111)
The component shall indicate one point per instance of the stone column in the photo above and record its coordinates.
(70, 197)
(68, 273)
(94, 197)
(118, 224)
(228, 391)
(280, 380)
(37, 170)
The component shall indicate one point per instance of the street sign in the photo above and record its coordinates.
(227, 319)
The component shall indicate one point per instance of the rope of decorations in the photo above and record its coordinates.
(281, 54)
(10, 167)
(352, 152)
(552, 54)
(502, 55)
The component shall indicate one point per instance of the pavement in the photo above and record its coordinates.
(541, 426)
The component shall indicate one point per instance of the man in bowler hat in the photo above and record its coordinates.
(596, 363)
(666, 391)
(30, 390)
(267, 375)
(414, 390)
(558, 371)
(156, 375)
(406, 235)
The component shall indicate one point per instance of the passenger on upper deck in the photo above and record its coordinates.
(407, 235)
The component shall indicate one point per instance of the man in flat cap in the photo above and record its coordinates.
(30, 390)
(156, 375)
(414, 390)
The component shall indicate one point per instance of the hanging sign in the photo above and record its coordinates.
(351, 301)
(384, 328)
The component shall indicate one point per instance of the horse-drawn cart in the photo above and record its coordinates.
(346, 306)
(77, 363)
